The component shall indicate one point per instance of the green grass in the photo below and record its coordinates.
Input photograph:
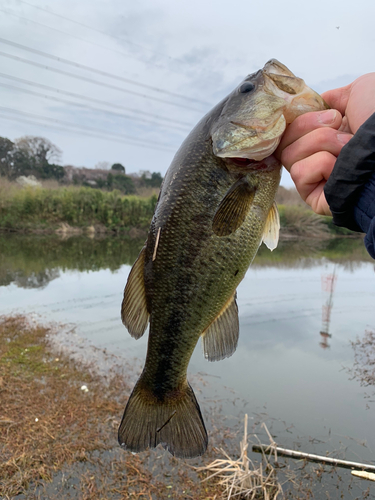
(45, 208)
(40, 208)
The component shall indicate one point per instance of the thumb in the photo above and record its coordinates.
(338, 98)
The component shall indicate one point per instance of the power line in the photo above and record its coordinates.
(88, 134)
(81, 39)
(99, 72)
(95, 82)
(102, 32)
(65, 101)
(91, 99)
(86, 128)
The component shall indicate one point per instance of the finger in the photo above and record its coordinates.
(310, 175)
(317, 200)
(307, 122)
(338, 98)
(361, 104)
(322, 139)
(344, 127)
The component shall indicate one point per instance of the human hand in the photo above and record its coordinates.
(311, 144)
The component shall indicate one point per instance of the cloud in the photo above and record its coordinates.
(334, 83)
(200, 50)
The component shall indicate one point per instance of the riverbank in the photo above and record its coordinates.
(58, 425)
(72, 209)
(83, 210)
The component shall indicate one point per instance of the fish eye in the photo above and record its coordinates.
(246, 87)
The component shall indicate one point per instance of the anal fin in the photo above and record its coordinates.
(221, 337)
(134, 313)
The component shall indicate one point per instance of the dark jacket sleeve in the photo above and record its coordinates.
(350, 189)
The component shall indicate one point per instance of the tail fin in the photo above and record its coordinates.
(175, 422)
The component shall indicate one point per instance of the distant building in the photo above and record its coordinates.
(83, 174)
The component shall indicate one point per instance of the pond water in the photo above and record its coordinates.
(300, 308)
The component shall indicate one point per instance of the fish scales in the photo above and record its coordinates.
(213, 211)
(185, 272)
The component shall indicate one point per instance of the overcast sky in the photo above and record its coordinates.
(125, 81)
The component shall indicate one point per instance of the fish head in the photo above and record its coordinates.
(256, 113)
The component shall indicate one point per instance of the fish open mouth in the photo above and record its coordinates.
(246, 165)
(241, 162)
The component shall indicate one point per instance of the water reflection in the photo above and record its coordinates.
(34, 261)
(29, 280)
(328, 287)
(30, 261)
(350, 253)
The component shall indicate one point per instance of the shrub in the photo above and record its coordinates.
(302, 221)
(39, 207)
(118, 167)
(121, 182)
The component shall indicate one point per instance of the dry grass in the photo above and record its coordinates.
(50, 184)
(46, 420)
(289, 197)
(241, 478)
(59, 441)
(65, 229)
(302, 222)
(8, 188)
(364, 359)
(147, 192)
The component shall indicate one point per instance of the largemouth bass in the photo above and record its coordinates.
(215, 208)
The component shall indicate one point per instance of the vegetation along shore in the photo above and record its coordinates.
(39, 196)
(52, 207)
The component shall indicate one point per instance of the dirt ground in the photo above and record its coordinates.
(58, 428)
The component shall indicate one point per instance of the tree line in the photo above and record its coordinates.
(30, 155)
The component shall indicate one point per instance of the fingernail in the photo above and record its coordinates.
(327, 117)
(344, 138)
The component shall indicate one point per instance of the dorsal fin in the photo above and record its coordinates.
(272, 228)
(221, 337)
(134, 312)
(233, 208)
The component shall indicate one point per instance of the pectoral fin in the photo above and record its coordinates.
(221, 337)
(134, 313)
(233, 209)
(272, 228)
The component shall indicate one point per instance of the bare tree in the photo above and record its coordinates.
(42, 150)
(103, 165)
(6, 156)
